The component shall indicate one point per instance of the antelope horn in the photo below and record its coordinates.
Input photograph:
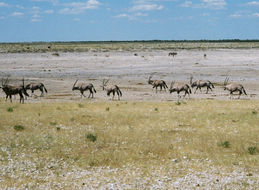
(75, 83)
(191, 77)
(225, 81)
(172, 83)
(106, 81)
(6, 81)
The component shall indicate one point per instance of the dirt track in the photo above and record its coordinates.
(130, 72)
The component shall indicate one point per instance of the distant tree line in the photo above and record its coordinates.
(138, 41)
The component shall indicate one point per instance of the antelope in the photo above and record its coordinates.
(111, 89)
(179, 87)
(10, 90)
(157, 83)
(172, 54)
(83, 87)
(35, 86)
(200, 84)
(233, 87)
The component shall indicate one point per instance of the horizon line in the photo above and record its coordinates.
(119, 41)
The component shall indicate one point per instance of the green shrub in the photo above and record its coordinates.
(254, 112)
(252, 150)
(177, 103)
(18, 127)
(225, 144)
(53, 123)
(10, 109)
(91, 137)
(80, 105)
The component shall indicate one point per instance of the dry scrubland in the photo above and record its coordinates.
(130, 145)
(123, 46)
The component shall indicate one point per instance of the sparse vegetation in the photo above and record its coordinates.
(130, 136)
(133, 46)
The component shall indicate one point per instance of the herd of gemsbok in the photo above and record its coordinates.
(178, 87)
(114, 89)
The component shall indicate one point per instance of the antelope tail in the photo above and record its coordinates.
(44, 88)
(94, 89)
(165, 85)
(244, 91)
(119, 90)
(212, 85)
(25, 93)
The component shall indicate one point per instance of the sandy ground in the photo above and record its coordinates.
(130, 72)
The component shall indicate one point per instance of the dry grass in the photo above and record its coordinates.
(133, 132)
(141, 133)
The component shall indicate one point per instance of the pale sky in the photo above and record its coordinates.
(100, 20)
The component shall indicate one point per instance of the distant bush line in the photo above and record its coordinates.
(141, 45)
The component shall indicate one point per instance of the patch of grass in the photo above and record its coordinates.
(178, 103)
(9, 109)
(254, 112)
(252, 150)
(107, 109)
(80, 105)
(91, 137)
(18, 127)
(156, 109)
(225, 144)
(58, 128)
(53, 123)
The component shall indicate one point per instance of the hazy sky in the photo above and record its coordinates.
(87, 20)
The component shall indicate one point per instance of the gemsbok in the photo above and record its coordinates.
(35, 86)
(233, 87)
(83, 87)
(179, 87)
(172, 54)
(157, 83)
(10, 90)
(200, 84)
(111, 89)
